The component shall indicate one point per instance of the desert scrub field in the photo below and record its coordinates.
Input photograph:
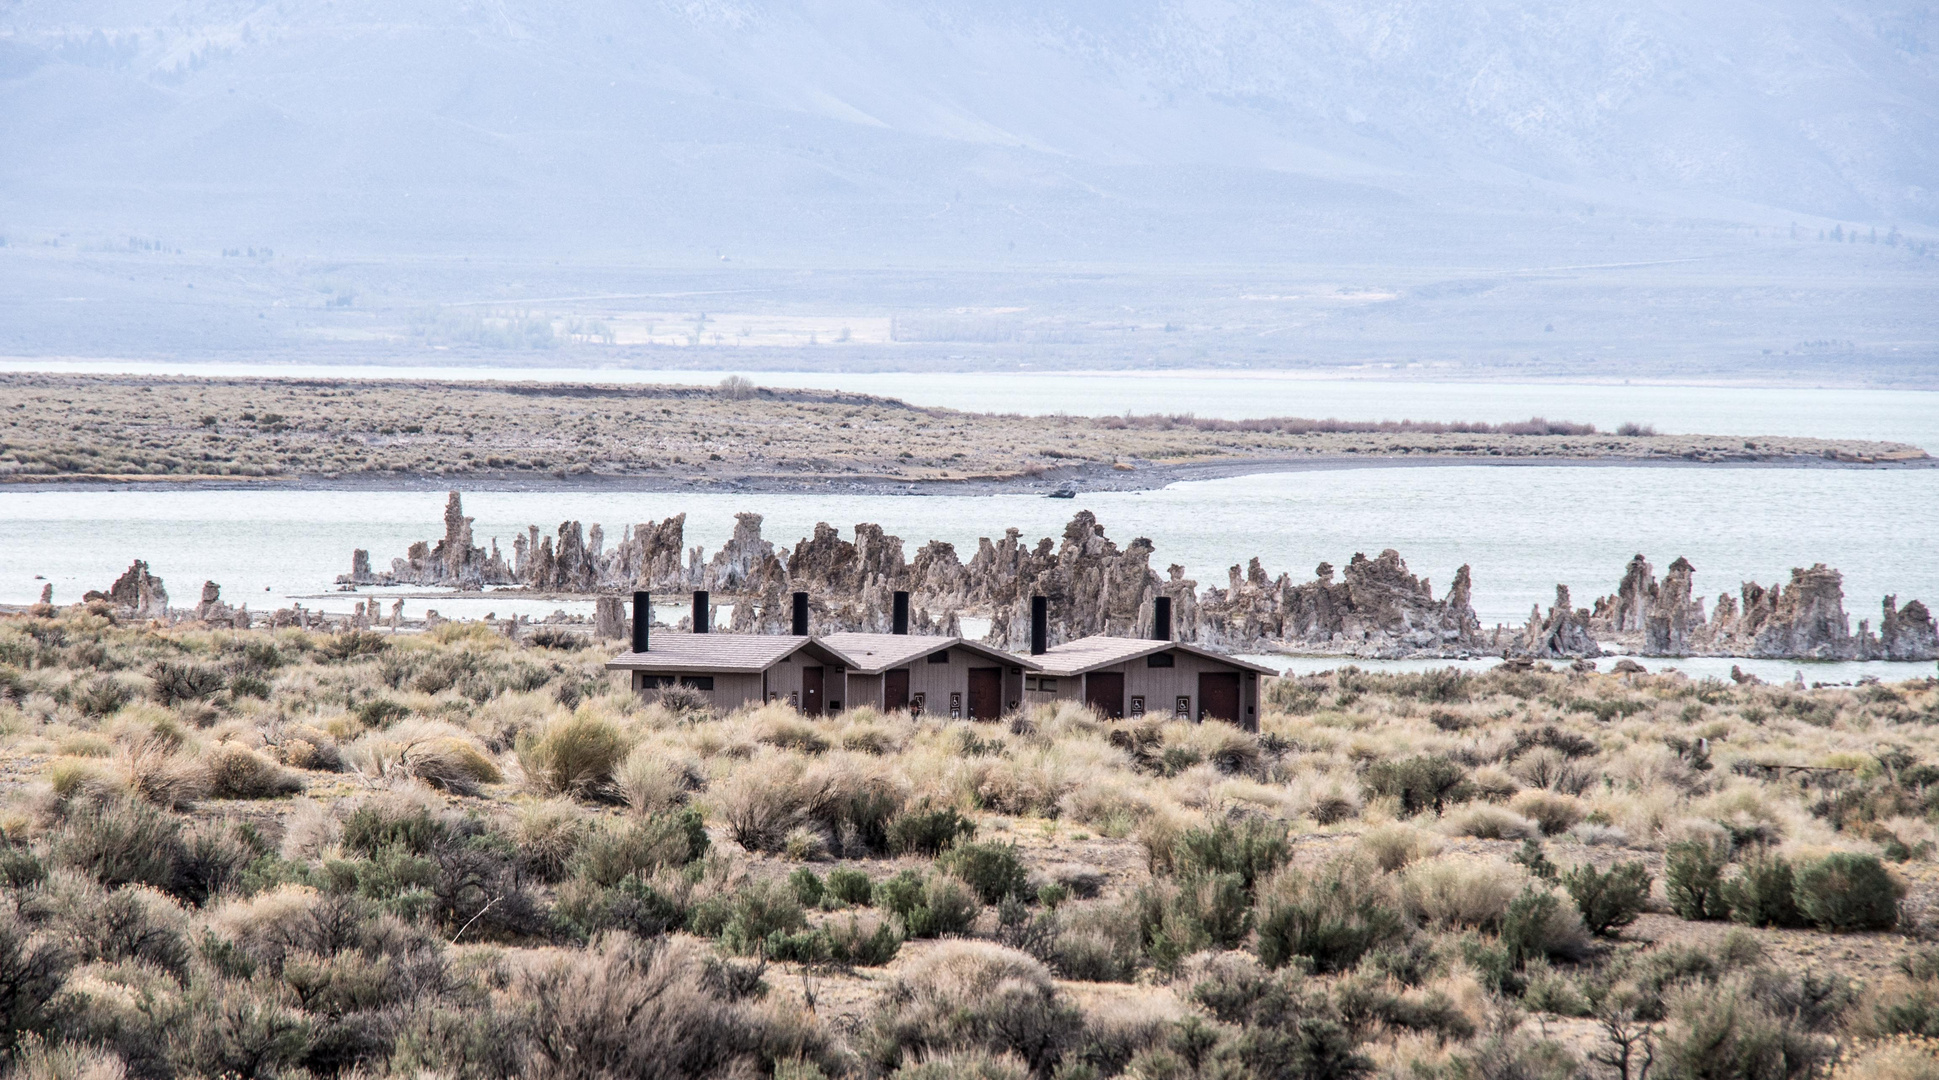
(453, 854)
(137, 427)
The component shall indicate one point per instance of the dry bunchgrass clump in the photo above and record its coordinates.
(237, 772)
(574, 755)
(1451, 891)
(1487, 822)
(1554, 812)
(1396, 844)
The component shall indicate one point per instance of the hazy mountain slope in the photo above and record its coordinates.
(887, 128)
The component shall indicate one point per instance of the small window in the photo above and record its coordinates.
(1162, 659)
(655, 682)
(697, 682)
(939, 657)
(1047, 683)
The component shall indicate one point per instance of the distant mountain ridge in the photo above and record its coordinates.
(887, 128)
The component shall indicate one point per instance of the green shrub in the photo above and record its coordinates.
(948, 908)
(1537, 927)
(1252, 849)
(1207, 911)
(1847, 891)
(1608, 901)
(378, 825)
(575, 756)
(353, 644)
(758, 911)
(939, 906)
(927, 831)
(173, 682)
(122, 843)
(1332, 918)
(969, 996)
(808, 887)
(1420, 783)
(639, 846)
(32, 970)
(851, 887)
(1764, 893)
(994, 870)
(900, 894)
(1722, 1031)
(1693, 876)
(862, 943)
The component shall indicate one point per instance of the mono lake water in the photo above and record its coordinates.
(1522, 530)
(1909, 416)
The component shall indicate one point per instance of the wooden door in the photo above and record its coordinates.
(1104, 691)
(895, 689)
(985, 693)
(1218, 696)
(811, 690)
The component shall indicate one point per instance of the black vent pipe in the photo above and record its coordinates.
(801, 614)
(1039, 625)
(899, 623)
(642, 619)
(700, 610)
(1161, 618)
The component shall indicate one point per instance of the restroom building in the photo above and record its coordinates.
(1137, 677)
(732, 670)
(943, 677)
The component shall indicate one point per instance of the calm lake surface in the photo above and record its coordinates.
(1522, 529)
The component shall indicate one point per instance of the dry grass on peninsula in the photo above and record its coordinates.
(288, 854)
(143, 428)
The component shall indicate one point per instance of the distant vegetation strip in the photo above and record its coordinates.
(55, 426)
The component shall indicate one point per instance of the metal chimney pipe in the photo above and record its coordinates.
(642, 619)
(1161, 618)
(1039, 625)
(899, 623)
(700, 610)
(801, 614)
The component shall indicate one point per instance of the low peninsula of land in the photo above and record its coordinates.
(62, 428)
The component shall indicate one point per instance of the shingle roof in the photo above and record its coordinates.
(1091, 653)
(869, 654)
(751, 653)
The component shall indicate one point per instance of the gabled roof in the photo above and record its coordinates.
(1099, 651)
(746, 653)
(871, 654)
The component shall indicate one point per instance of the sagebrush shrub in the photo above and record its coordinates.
(1252, 849)
(638, 846)
(1608, 901)
(1332, 917)
(1693, 877)
(1764, 893)
(994, 870)
(1846, 891)
(173, 682)
(925, 830)
(851, 887)
(122, 843)
(966, 996)
(1420, 783)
